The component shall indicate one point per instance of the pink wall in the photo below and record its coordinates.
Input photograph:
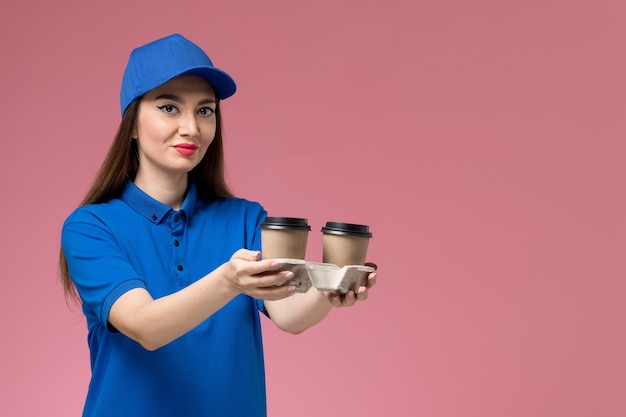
(483, 141)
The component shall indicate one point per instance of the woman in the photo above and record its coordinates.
(167, 263)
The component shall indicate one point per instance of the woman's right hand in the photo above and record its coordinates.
(257, 278)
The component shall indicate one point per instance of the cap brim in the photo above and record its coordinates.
(223, 84)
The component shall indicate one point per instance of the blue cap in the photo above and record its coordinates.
(157, 62)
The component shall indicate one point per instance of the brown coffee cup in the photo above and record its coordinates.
(345, 243)
(284, 237)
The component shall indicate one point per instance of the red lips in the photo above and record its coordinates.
(186, 149)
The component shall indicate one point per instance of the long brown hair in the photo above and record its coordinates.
(122, 162)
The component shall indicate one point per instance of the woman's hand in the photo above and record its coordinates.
(350, 298)
(257, 278)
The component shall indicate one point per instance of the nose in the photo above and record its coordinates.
(188, 125)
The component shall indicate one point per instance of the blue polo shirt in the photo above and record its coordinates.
(135, 241)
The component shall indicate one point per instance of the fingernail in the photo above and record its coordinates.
(291, 289)
(289, 275)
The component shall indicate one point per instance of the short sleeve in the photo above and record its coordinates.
(257, 217)
(98, 266)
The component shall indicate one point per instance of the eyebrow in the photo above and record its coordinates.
(179, 100)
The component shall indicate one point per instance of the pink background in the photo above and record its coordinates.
(483, 141)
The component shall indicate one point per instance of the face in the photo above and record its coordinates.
(175, 125)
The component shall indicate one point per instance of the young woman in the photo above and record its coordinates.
(166, 262)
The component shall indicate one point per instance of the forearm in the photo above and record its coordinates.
(300, 311)
(155, 323)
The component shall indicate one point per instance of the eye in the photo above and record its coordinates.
(206, 111)
(167, 108)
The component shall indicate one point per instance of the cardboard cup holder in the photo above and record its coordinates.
(325, 276)
(301, 279)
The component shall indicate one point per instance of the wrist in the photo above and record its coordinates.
(225, 276)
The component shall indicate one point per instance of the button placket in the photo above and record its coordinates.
(177, 225)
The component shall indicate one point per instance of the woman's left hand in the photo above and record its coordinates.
(350, 298)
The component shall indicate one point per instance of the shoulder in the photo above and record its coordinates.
(234, 206)
(233, 213)
(95, 213)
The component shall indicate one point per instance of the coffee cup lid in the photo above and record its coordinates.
(292, 223)
(348, 229)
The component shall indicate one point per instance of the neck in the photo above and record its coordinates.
(167, 190)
